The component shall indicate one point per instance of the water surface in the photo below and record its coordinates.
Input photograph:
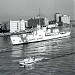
(61, 54)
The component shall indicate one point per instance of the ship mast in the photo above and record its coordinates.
(39, 16)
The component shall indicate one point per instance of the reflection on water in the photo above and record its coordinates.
(29, 66)
(17, 51)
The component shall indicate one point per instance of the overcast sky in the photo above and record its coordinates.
(14, 8)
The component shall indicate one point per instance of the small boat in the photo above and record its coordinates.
(29, 61)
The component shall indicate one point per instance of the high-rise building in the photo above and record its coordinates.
(57, 17)
(66, 19)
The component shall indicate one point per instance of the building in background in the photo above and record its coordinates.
(20, 25)
(52, 23)
(0, 27)
(26, 24)
(33, 22)
(5, 26)
(66, 19)
(57, 17)
(61, 19)
(14, 26)
(17, 26)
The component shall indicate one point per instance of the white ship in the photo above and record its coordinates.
(40, 34)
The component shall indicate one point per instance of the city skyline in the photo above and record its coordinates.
(17, 9)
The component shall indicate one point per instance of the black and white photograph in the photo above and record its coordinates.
(37, 37)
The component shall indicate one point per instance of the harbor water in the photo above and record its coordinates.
(60, 53)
